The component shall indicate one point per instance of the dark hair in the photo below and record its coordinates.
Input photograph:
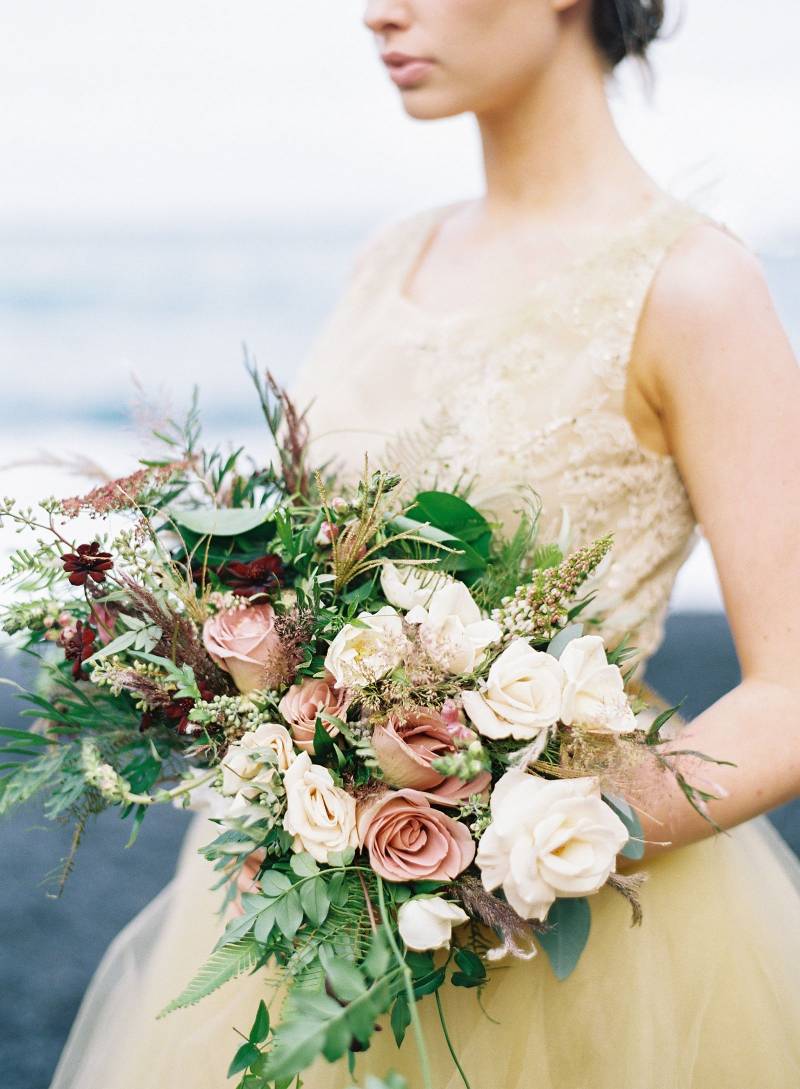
(625, 28)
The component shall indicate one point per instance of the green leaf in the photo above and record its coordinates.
(634, 848)
(274, 883)
(260, 1029)
(653, 734)
(304, 864)
(453, 515)
(244, 1057)
(315, 902)
(323, 743)
(473, 970)
(400, 1019)
(345, 979)
(560, 640)
(122, 642)
(24, 735)
(296, 1045)
(564, 943)
(223, 522)
(264, 924)
(289, 914)
(225, 964)
(379, 957)
(341, 858)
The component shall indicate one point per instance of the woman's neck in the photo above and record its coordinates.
(556, 154)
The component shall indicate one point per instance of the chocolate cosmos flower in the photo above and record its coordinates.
(78, 646)
(257, 577)
(87, 562)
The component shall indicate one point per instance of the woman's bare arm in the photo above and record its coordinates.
(718, 366)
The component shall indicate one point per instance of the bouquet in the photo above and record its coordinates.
(396, 718)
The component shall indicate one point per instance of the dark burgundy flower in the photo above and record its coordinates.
(177, 712)
(87, 562)
(78, 644)
(257, 577)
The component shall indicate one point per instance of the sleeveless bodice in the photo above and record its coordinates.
(528, 396)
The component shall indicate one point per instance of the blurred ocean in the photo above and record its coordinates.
(84, 316)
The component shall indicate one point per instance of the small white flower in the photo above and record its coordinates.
(522, 695)
(594, 691)
(426, 922)
(247, 769)
(360, 655)
(407, 585)
(452, 629)
(548, 838)
(320, 815)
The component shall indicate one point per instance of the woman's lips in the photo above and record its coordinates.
(407, 73)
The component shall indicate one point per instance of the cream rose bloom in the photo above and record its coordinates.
(426, 922)
(359, 655)
(548, 838)
(452, 629)
(594, 691)
(522, 695)
(247, 768)
(407, 585)
(320, 816)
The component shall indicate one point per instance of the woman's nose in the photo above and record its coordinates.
(383, 15)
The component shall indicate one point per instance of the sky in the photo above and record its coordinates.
(195, 112)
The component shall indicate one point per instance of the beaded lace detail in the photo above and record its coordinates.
(518, 398)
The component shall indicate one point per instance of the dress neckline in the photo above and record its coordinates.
(430, 223)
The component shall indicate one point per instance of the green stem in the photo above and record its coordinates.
(168, 795)
(409, 988)
(450, 1047)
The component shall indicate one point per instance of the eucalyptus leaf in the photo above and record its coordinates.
(634, 848)
(222, 522)
(570, 921)
(560, 640)
(304, 865)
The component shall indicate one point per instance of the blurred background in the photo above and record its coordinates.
(179, 180)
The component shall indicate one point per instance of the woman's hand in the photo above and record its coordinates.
(246, 879)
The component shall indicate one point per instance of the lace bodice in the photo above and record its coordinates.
(524, 396)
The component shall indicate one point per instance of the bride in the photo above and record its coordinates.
(579, 330)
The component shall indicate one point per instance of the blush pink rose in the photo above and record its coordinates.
(304, 701)
(406, 746)
(242, 642)
(408, 840)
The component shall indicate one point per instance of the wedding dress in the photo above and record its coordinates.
(706, 993)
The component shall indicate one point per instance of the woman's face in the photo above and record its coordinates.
(479, 55)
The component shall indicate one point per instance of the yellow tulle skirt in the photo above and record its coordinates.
(704, 994)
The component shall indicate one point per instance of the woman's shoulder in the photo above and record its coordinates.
(390, 237)
(707, 275)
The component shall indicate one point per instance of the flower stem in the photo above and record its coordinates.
(168, 795)
(448, 1041)
(424, 1062)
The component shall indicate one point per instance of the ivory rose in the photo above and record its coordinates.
(242, 642)
(247, 767)
(426, 922)
(408, 840)
(406, 745)
(522, 695)
(320, 815)
(594, 691)
(303, 702)
(452, 629)
(251, 764)
(361, 654)
(407, 585)
(548, 838)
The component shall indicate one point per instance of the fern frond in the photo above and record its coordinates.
(227, 963)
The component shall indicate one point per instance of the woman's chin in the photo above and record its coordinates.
(426, 105)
